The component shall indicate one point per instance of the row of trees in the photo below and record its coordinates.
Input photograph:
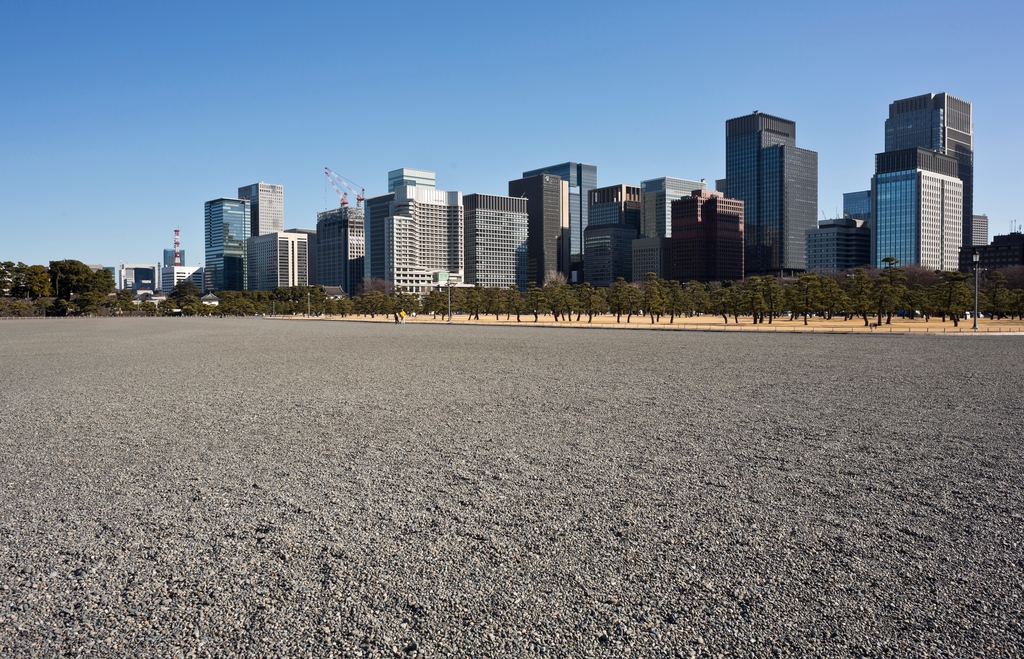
(71, 288)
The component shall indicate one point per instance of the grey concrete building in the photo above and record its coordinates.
(266, 203)
(497, 230)
(341, 248)
(652, 255)
(277, 260)
(979, 230)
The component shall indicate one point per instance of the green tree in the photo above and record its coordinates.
(652, 296)
(752, 293)
(618, 298)
(774, 296)
(832, 298)
(535, 301)
(513, 302)
(860, 294)
(697, 294)
(676, 303)
(804, 294)
(494, 301)
(472, 301)
(557, 298)
(720, 302)
(997, 297)
(954, 296)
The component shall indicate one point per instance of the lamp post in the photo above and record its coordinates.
(307, 304)
(976, 258)
(449, 300)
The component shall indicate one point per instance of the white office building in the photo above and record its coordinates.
(171, 276)
(276, 260)
(423, 236)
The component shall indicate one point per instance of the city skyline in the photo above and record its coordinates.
(144, 109)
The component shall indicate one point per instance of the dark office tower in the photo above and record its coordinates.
(840, 244)
(266, 205)
(707, 238)
(941, 123)
(547, 209)
(857, 206)
(778, 185)
(227, 228)
(340, 248)
(614, 214)
(377, 211)
(581, 179)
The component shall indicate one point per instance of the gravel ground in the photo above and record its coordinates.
(257, 488)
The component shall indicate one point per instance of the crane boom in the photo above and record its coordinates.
(333, 176)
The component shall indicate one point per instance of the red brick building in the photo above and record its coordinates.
(707, 238)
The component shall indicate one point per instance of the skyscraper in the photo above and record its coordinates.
(941, 123)
(376, 212)
(277, 260)
(778, 185)
(581, 179)
(614, 216)
(979, 226)
(857, 205)
(226, 228)
(266, 204)
(340, 248)
(423, 236)
(918, 215)
(707, 238)
(496, 233)
(547, 207)
(408, 176)
(311, 247)
(658, 195)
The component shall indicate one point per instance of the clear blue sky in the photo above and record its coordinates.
(119, 119)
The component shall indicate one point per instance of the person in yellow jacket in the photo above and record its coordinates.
(401, 314)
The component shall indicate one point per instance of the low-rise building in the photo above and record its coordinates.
(1004, 252)
(838, 244)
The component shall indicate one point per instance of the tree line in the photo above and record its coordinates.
(72, 288)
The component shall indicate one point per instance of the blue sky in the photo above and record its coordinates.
(118, 120)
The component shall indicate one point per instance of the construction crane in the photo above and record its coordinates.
(332, 176)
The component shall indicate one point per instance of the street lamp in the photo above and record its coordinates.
(307, 304)
(976, 258)
(449, 300)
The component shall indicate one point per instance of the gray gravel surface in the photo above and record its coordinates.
(309, 489)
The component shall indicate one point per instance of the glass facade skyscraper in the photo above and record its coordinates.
(857, 205)
(658, 195)
(582, 179)
(942, 123)
(614, 216)
(778, 185)
(918, 209)
(408, 176)
(227, 225)
(341, 248)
